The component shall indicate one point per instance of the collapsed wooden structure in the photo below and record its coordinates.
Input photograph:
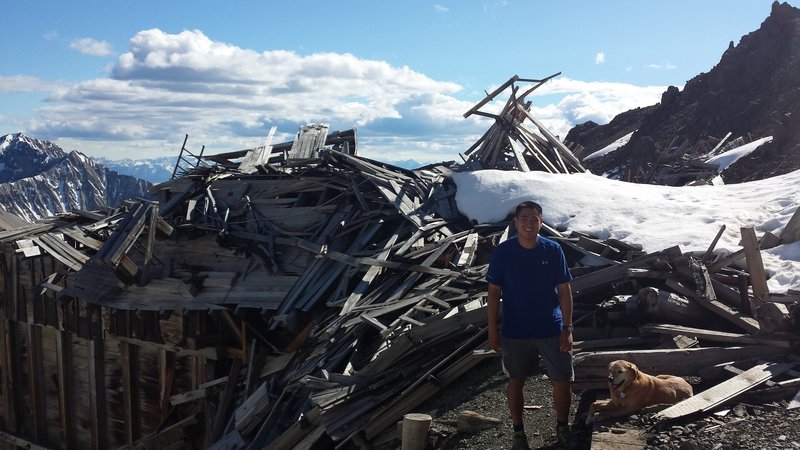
(313, 301)
(511, 143)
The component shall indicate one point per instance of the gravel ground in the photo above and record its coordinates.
(482, 389)
(748, 427)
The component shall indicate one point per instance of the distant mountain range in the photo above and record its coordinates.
(38, 179)
(753, 92)
(156, 170)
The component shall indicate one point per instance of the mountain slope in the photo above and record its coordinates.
(39, 179)
(753, 92)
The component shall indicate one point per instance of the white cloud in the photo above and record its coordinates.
(600, 58)
(92, 47)
(665, 66)
(24, 83)
(440, 9)
(596, 101)
(170, 84)
(227, 97)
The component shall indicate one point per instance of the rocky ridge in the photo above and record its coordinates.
(38, 179)
(752, 92)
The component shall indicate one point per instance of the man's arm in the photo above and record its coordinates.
(565, 300)
(493, 311)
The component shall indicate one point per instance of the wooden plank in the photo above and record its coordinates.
(7, 375)
(252, 409)
(559, 146)
(468, 251)
(186, 397)
(225, 402)
(165, 438)
(724, 391)
(746, 323)
(584, 284)
(368, 277)
(795, 402)
(36, 382)
(791, 232)
(55, 253)
(373, 321)
(712, 335)
(489, 97)
(755, 266)
(66, 396)
(20, 442)
(129, 356)
(518, 153)
(591, 368)
(97, 395)
(151, 234)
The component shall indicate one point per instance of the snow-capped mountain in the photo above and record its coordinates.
(156, 170)
(38, 179)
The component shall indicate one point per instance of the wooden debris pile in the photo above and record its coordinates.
(693, 315)
(329, 292)
(681, 162)
(511, 144)
(316, 300)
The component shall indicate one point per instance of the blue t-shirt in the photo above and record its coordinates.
(529, 280)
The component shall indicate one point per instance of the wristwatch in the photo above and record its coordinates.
(569, 328)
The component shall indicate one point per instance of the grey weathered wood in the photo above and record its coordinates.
(591, 368)
(791, 232)
(713, 335)
(755, 266)
(724, 391)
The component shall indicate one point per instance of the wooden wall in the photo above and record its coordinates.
(66, 381)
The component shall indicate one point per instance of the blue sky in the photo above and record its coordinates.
(129, 79)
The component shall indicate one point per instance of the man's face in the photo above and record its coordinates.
(528, 223)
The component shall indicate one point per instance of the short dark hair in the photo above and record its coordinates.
(528, 204)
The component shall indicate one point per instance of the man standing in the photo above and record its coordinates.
(531, 275)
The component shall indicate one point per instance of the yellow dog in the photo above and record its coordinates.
(631, 390)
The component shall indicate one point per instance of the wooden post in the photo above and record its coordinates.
(415, 431)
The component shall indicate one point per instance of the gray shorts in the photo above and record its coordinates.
(521, 358)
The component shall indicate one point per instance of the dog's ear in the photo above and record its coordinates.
(632, 367)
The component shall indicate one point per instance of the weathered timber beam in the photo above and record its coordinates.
(129, 356)
(491, 96)
(755, 266)
(554, 141)
(711, 335)
(97, 395)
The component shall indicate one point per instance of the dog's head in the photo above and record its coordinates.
(620, 374)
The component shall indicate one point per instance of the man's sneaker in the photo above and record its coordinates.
(562, 434)
(520, 441)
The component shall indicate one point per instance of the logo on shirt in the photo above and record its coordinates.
(545, 262)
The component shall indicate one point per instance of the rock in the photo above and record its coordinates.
(471, 421)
